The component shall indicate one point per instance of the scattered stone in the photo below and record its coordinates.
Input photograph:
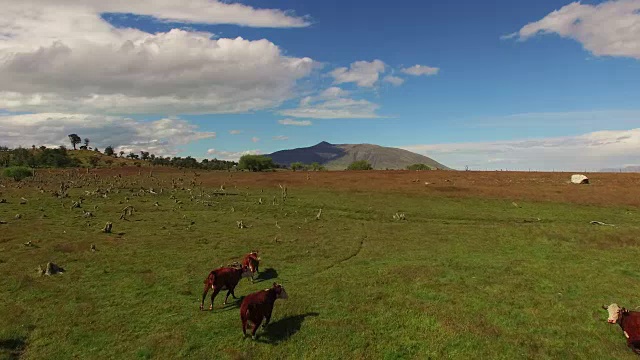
(28, 244)
(2, 222)
(18, 217)
(241, 225)
(3, 201)
(23, 201)
(107, 228)
(93, 247)
(515, 204)
(319, 214)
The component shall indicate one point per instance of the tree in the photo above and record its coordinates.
(317, 167)
(86, 142)
(360, 165)
(144, 155)
(418, 167)
(121, 153)
(75, 140)
(109, 151)
(255, 163)
(297, 166)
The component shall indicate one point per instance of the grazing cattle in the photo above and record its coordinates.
(258, 306)
(224, 278)
(629, 321)
(252, 261)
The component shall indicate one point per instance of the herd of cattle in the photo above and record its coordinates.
(255, 307)
(258, 306)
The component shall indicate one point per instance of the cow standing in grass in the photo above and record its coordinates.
(629, 321)
(224, 278)
(258, 306)
(252, 261)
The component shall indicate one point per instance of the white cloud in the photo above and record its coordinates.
(235, 132)
(332, 103)
(161, 137)
(393, 80)
(292, 122)
(231, 155)
(341, 108)
(255, 139)
(610, 28)
(191, 11)
(591, 151)
(363, 73)
(418, 70)
(280, 138)
(333, 92)
(61, 56)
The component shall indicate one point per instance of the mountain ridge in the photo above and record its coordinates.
(339, 156)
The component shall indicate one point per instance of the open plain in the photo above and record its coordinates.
(397, 265)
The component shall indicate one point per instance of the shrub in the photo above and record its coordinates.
(360, 165)
(18, 172)
(418, 167)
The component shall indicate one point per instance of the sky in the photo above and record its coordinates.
(503, 84)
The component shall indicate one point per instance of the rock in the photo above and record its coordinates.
(579, 179)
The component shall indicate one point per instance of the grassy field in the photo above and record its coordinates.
(463, 277)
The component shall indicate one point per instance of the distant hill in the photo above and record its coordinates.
(338, 157)
(624, 169)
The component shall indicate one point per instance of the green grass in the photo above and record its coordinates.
(459, 279)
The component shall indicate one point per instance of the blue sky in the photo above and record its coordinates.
(507, 72)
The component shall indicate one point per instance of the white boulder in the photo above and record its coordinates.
(579, 179)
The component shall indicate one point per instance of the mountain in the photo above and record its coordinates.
(338, 157)
(624, 169)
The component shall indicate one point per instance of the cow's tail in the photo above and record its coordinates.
(210, 280)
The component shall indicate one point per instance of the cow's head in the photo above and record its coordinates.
(246, 272)
(280, 291)
(614, 312)
(254, 253)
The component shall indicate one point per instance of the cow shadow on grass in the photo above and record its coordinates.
(232, 304)
(283, 329)
(12, 348)
(267, 274)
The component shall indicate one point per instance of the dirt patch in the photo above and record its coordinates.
(604, 189)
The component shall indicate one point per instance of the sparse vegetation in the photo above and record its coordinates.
(464, 277)
(360, 165)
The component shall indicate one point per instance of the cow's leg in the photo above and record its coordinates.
(233, 293)
(256, 325)
(244, 317)
(227, 297)
(213, 296)
(204, 295)
(267, 318)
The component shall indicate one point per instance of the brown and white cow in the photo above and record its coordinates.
(224, 278)
(629, 321)
(252, 261)
(258, 306)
